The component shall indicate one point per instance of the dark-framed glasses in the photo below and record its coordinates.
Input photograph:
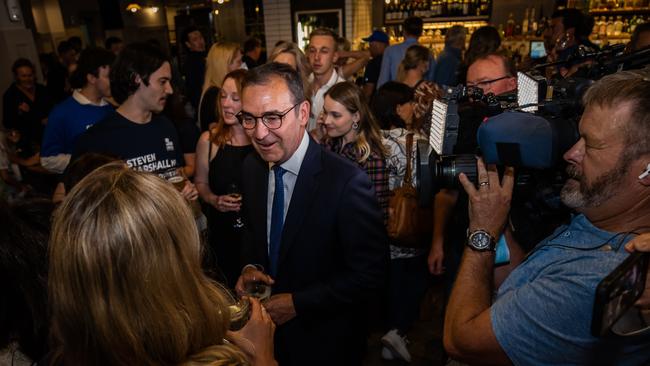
(272, 120)
(486, 83)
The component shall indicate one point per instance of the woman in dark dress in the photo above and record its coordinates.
(220, 155)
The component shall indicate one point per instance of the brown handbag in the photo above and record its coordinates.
(409, 225)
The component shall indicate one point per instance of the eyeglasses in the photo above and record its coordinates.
(486, 83)
(271, 120)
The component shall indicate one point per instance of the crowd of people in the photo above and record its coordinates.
(140, 208)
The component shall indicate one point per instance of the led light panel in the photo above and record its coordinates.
(438, 122)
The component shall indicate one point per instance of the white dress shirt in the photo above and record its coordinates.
(318, 99)
(292, 166)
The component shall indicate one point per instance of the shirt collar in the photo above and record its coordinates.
(582, 234)
(332, 80)
(295, 161)
(81, 99)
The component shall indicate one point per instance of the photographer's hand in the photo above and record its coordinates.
(489, 204)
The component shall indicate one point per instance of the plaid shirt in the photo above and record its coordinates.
(374, 166)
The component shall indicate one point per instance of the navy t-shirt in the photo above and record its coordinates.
(371, 75)
(151, 147)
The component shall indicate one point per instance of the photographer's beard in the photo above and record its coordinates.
(576, 193)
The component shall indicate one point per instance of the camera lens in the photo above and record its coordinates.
(449, 167)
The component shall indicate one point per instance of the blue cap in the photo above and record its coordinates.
(378, 36)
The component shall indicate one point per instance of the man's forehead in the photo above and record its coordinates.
(322, 41)
(605, 120)
(164, 71)
(271, 96)
(485, 69)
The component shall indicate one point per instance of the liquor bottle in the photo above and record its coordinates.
(610, 27)
(465, 7)
(524, 23)
(602, 30)
(510, 25)
(633, 23)
(533, 22)
(618, 26)
(388, 12)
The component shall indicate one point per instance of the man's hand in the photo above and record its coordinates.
(281, 308)
(490, 203)
(251, 274)
(642, 244)
(434, 261)
(189, 192)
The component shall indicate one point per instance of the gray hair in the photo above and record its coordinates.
(263, 74)
(626, 86)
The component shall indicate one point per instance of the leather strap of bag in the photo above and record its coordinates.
(409, 147)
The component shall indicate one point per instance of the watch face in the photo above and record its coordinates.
(480, 240)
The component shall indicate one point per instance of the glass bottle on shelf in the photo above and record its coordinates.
(602, 29)
(533, 22)
(524, 23)
(466, 7)
(618, 26)
(510, 25)
(610, 27)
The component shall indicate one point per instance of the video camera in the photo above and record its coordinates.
(530, 132)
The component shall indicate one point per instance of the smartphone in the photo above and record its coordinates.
(617, 292)
(537, 49)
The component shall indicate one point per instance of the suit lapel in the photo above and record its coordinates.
(259, 203)
(303, 195)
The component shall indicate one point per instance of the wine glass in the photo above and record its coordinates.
(235, 193)
(240, 311)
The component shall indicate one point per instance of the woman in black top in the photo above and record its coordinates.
(220, 155)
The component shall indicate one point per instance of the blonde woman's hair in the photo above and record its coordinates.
(412, 58)
(369, 137)
(302, 63)
(125, 281)
(219, 57)
(221, 133)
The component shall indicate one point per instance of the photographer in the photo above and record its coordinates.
(542, 312)
(492, 73)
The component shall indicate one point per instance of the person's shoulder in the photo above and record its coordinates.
(110, 121)
(336, 164)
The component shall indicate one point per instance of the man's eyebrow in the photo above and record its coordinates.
(274, 111)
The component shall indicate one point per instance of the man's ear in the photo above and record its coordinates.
(303, 115)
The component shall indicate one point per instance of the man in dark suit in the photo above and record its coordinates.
(312, 220)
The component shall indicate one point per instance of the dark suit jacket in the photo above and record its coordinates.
(333, 255)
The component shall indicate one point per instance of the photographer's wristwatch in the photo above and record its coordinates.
(481, 241)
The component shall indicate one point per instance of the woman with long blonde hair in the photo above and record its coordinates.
(222, 58)
(350, 129)
(289, 53)
(220, 156)
(126, 285)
